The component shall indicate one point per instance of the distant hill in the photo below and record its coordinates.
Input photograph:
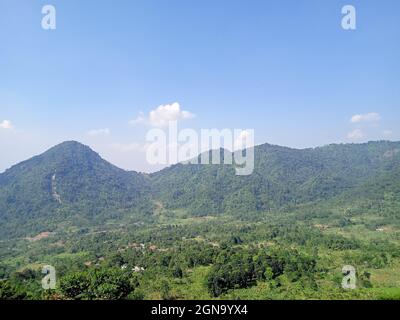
(283, 177)
(68, 182)
(71, 185)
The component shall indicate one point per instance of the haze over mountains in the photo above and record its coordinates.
(72, 186)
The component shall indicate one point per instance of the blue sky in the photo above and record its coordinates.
(286, 69)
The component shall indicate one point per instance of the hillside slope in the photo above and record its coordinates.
(71, 185)
(69, 181)
(282, 177)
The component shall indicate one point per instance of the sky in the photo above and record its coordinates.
(113, 70)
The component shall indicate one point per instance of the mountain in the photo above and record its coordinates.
(68, 182)
(282, 177)
(72, 186)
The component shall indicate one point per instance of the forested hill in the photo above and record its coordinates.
(68, 182)
(71, 184)
(283, 177)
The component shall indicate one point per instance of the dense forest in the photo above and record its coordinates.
(200, 231)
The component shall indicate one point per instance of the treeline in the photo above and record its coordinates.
(242, 268)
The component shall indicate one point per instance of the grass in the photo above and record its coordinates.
(194, 286)
(386, 293)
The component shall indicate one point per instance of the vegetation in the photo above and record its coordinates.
(200, 232)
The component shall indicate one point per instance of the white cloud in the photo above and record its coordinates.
(387, 133)
(367, 117)
(140, 119)
(356, 134)
(162, 115)
(98, 132)
(6, 124)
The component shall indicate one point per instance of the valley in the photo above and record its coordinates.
(200, 231)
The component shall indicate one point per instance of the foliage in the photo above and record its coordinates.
(200, 232)
(108, 284)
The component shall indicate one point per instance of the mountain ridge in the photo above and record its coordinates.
(77, 143)
(70, 184)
